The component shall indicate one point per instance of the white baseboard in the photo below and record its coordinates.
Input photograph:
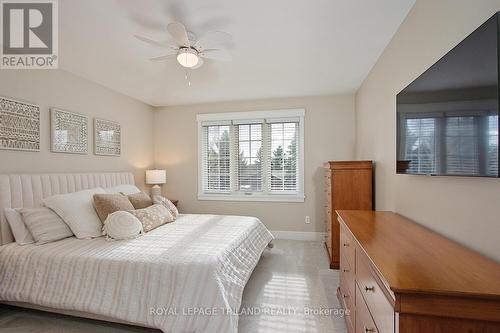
(299, 235)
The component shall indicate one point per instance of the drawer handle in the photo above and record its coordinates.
(346, 244)
(345, 296)
(367, 289)
(368, 330)
(345, 270)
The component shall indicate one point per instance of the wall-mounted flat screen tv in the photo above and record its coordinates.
(447, 119)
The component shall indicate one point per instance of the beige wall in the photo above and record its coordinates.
(465, 209)
(57, 88)
(329, 134)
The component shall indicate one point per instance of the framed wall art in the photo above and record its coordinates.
(107, 137)
(69, 132)
(19, 125)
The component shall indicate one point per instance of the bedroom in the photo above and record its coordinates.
(239, 141)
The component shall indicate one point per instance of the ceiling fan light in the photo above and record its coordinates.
(187, 58)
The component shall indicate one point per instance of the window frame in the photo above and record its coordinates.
(239, 117)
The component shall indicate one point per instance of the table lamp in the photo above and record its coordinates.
(156, 178)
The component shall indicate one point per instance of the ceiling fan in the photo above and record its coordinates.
(188, 49)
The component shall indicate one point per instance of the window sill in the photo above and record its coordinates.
(252, 197)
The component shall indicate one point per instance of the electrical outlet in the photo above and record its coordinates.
(307, 220)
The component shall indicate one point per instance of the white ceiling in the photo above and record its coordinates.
(281, 48)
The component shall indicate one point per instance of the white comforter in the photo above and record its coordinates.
(187, 276)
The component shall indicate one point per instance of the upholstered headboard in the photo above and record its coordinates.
(26, 191)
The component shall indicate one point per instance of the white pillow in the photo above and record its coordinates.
(125, 189)
(122, 225)
(21, 234)
(77, 211)
(44, 225)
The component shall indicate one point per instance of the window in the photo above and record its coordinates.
(283, 170)
(251, 156)
(218, 158)
(249, 137)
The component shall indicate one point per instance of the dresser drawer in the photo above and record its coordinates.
(328, 177)
(347, 274)
(347, 302)
(328, 213)
(364, 322)
(328, 183)
(328, 203)
(329, 249)
(347, 246)
(329, 237)
(380, 308)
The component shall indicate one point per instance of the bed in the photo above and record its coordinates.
(186, 276)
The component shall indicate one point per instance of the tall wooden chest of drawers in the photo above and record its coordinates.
(348, 185)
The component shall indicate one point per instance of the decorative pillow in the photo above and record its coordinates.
(77, 211)
(21, 234)
(106, 204)
(153, 216)
(125, 189)
(45, 225)
(158, 199)
(122, 225)
(140, 200)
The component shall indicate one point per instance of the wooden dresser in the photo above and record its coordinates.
(397, 276)
(348, 185)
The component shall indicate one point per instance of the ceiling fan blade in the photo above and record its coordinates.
(199, 64)
(213, 39)
(163, 57)
(179, 33)
(154, 42)
(214, 54)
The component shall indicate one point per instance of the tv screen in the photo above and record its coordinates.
(447, 119)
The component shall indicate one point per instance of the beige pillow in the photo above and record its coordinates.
(106, 204)
(152, 217)
(158, 199)
(140, 200)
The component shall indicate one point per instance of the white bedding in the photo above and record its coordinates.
(198, 262)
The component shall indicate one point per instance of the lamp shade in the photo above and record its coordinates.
(188, 57)
(155, 177)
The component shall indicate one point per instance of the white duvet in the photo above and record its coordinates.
(187, 276)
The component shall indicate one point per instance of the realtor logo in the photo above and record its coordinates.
(29, 34)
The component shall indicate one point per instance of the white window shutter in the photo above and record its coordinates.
(283, 157)
(252, 158)
(216, 150)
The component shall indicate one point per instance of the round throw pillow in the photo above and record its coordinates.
(122, 225)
